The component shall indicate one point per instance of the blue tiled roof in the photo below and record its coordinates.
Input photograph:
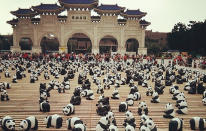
(144, 22)
(23, 11)
(47, 7)
(78, 1)
(109, 7)
(134, 12)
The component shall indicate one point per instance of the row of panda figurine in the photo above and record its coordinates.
(3, 90)
(31, 123)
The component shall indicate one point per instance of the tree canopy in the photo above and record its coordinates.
(189, 38)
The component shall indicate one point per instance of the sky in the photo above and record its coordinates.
(163, 14)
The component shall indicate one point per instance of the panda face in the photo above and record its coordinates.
(129, 115)
(204, 101)
(23, 125)
(149, 122)
(4, 93)
(142, 105)
(83, 93)
(66, 110)
(110, 116)
(129, 128)
(43, 95)
(168, 106)
(143, 118)
(10, 124)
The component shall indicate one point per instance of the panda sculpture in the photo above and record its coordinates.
(155, 98)
(150, 124)
(129, 128)
(111, 118)
(75, 100)
(68, 110)
(176, 124)
(4, 96)
(136, 96)
(144, 128)
(79, 127)
(129, 119)
(30, 123)
(197, 123)
(143, 119)
(45, 106)
(53, 121)
(103, 124)
(123, 107)
(7, 123)
(204, 101)
(149, 91)
(182, 108)
(112, 127)
(88, 94)
(173, 88)
(142, 108)
(129, 100)
(115, 94)
(43, 96)
(169, 111)
(71, 122)
(100, 89)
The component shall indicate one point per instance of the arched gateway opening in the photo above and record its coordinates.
(108, 44)
(79, 43)
(49, 43)
(25, 43)
(132, 45)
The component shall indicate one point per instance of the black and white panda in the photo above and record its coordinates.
(14, 79)
(129, 100)
(68, 110)
(150, 124)
(113, 127)
(182, 108)
(176, 92)
(204, 101)
(173, 88)
(129, 119)
(143, 119)
(75, 100)
(100, 89)
(144, 84)
(4, 95)
(144, 128)
(176, 124)
(123, 107)
(43, 96)
(53, 121)
(129, 128)
(103, 124)
(197, 123)
(6, 85)
(136, 96)
(45, 106)
(29, 123)
(149, 91)
(111, 118)
(79, 127)
(7, 123)
(155, 98)
(88, 94)
(115, 94)
(71, 122)
(142, 108)
(169, 111)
